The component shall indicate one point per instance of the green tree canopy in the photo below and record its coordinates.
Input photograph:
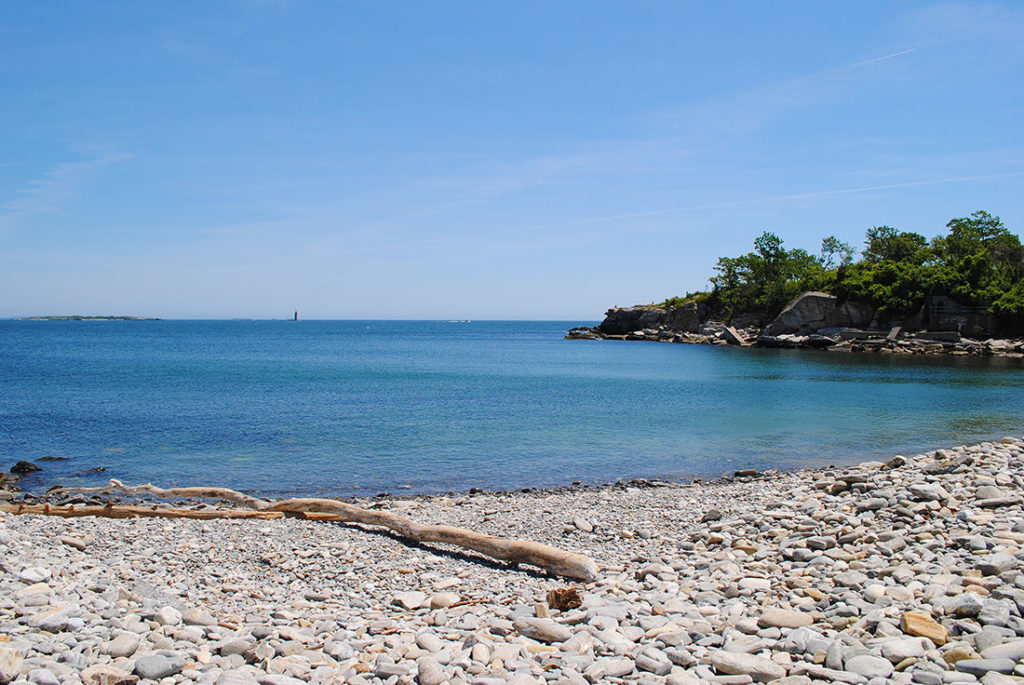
(978, 262)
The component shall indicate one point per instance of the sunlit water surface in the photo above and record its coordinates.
(358, 407)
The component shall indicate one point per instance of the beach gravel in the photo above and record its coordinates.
(899, 571)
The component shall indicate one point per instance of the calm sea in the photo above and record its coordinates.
(359, 407)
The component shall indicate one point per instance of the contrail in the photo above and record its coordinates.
(803, 196)
(882, 58)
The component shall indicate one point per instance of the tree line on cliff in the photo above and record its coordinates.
(978, 263)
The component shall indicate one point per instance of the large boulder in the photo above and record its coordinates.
(623, 320)
(686, 318)
(813, 311)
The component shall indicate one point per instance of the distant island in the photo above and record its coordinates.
(79, 317)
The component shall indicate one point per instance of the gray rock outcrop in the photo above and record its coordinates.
(813, 311)
(623, 320)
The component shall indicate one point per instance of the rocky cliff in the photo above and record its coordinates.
(624, 320)
(813, 320)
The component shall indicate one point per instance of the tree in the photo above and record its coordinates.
(978, 262)
(764, 280)
(886, 244)
(980, 258)
(835, 253)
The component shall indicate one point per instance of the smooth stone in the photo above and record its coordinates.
(42, 676)
(33, 589)
(979, 667)
(429, 642)
(853, 579)
(654, 661)
(155, 666)
(386, 669)
(124, 644)
(958, 651)
(54, 619)
(782, 618)
(34, 574)
(1013, 649)
(410, 600)
(820, 542)
(993, 678)
(922, 677)
(617, 668)
(994, 614)
(429, 671)
(874, 592)
(235, 677)
(929, 492)
(805, 641)
(899, 594)
(583, 525)
(902, 648)
(167, 616)
(443, 600)
(10, 664)
(758, 668)
(922, 625)
(994, 564)
(869, 666)
(278, 679)
(77, 543)
(196, 617)
(542, 629)
(107, 675)
(988, 492)
(831, 675)
(991, 636)
(238, 645)
(965, 605)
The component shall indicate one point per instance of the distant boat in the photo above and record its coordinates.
(296, 315)
(460, 321)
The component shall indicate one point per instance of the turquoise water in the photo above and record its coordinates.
(359, 407)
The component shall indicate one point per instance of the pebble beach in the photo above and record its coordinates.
(904, 571)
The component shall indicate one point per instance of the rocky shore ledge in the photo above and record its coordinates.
(812, 321)
(910, 571)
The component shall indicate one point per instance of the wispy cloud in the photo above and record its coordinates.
(800, 196)
(618, 157)
(952, 22)
(669, 136)
(53, 191)
(883, 58)
(748, 110)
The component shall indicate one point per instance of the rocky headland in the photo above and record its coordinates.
(907, 571)
(812, 321)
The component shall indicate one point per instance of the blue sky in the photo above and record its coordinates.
(523, 160)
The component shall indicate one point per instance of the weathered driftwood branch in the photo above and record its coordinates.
(543, 556)
(127, 512)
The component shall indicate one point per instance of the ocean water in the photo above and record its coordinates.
(342, 408)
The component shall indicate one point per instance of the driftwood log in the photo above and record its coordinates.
(546, 557)
(111, 511)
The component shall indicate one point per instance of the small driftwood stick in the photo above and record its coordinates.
(543, 556)
(127, 512)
